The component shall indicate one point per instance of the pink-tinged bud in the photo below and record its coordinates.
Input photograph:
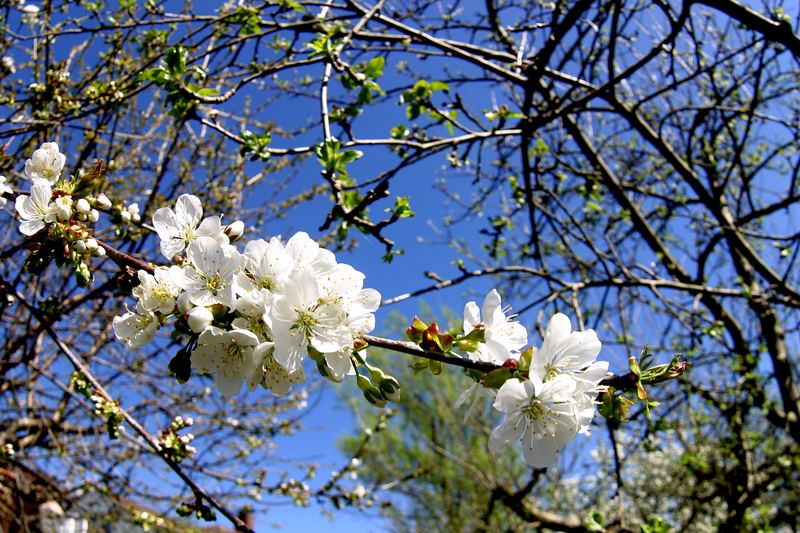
(510, 363)
(199, 319)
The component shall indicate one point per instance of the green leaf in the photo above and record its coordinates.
(402, 208)
(496, 378)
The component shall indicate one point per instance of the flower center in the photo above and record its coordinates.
(265, 283)
(161, 293)
(535, 410)
(550, 372)
(188, 235)
(234, 356)
(305, 321)
(214, 284)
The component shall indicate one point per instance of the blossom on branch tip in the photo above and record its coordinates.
(35, 210)
(46, 164)
(504, 336)
(564, 350)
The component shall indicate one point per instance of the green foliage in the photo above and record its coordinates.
(182, 82)
(362, 77)
(257, 146)
(335, 160)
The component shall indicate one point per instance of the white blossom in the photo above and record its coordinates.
(306, 253)
(564, 350)
(35, 209)
(4, 189)
(209, 278)
(268, 266)
(342, 285)
(179, 228)
(46, 163)
(62, 207)
(157, 292)
(133, 210)
(270, 374)
(228, 356)
(253, 310)
(7, 63)
(235, 230)
(300, 319)
(503, 336)
(545, 416)
(136, 328)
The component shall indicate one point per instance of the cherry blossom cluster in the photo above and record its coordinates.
(251, 316)
(548, 395)
(61, 209)
(254, 315)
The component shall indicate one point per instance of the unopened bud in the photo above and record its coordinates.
(79, 246)
(100, 252)
(102, 201)
(199, 319)
(373, 396)
(125, 216)
(82, 206)
(235, 230)
(93, 216)
(92, 244)
(390, 389)
(363, 382)
(184, 303)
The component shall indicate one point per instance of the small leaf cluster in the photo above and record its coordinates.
(182, 82)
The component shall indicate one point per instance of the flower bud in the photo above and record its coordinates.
(235, 230)
(100, 252)
(374, 397)
(199, 319)
(184, 303)
(82, 206)
(363, 382)
(102, 201)
(92, 245)
(390, 389)
(79, 246)
(93, 216)
(125, 216)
